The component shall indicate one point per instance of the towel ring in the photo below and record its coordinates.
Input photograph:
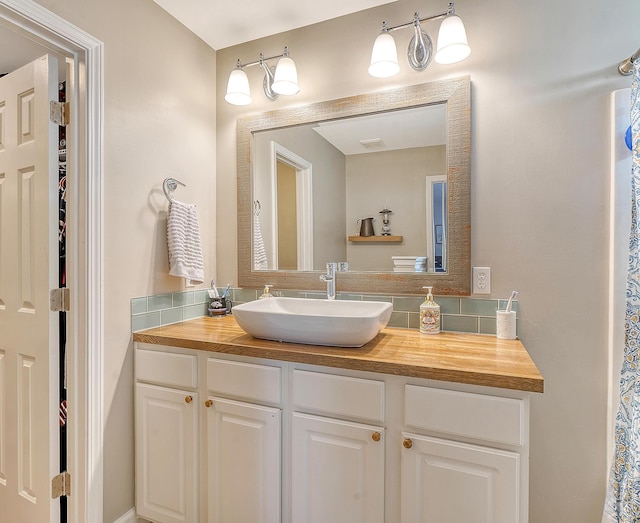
(257, 207)
(169, 185)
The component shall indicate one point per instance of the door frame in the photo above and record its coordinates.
(431, 267)
(304, 204)
(84, 247)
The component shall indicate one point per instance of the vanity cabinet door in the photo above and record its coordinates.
(457, 482)
(337, 471)
(243, 444)
(166, 454)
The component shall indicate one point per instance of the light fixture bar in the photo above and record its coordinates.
(420, 20)
(267, 84)
(260, 60)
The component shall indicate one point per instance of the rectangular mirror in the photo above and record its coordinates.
(380, 180)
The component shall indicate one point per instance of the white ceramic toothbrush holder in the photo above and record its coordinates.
(506, 325)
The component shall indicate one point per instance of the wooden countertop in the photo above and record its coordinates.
(461, 358)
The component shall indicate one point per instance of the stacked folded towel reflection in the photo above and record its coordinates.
(409, 263)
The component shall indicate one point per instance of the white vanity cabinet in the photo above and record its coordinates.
(166, 437)
(475, 469)
(276, 441)
(337, 464)
(243, 442)
(207, 442)
(445, 480)
(337, 471)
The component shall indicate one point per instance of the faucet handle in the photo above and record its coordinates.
(332, 266)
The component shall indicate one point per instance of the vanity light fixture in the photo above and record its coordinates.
(281, 80)
(452, 45)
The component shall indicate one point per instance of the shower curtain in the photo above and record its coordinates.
(622, 504)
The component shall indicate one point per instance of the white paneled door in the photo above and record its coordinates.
(28, 270)
(244, 462)
(453, 482)
(166, 454)
(337, 471)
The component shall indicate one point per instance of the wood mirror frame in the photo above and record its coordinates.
(456, 93)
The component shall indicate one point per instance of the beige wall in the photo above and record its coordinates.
(396, 180)
(541, 76)
(159, 121)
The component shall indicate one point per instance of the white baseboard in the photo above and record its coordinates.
(130, 517)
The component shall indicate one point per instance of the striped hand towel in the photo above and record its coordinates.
(259, 254)
(183, 241)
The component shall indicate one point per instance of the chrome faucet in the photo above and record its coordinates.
(330, 277)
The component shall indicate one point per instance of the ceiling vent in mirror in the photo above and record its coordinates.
(372, 143)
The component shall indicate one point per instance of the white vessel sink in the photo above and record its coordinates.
(338, 323)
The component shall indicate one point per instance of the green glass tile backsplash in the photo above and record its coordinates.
(458, 314)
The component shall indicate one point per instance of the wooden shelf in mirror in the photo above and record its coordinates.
(382, 239)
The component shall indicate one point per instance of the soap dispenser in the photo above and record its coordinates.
(266, 293)
(429, 314)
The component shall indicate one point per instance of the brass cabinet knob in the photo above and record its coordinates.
(208, 403)
(407, 443)
(375, 436)
(188, 399)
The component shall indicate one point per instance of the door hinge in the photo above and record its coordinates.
(59, 299)
(61, 485)
(59, 112)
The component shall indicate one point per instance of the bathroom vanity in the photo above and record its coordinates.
(407, 428)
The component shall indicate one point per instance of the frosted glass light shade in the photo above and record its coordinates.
(285, 80)
(452, 41)
(384, 57)
(238, 92)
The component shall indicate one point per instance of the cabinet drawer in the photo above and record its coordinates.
(490, 418)
(259, 383)
(166, 368)
(338, 395)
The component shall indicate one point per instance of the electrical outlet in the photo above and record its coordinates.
(481, 280)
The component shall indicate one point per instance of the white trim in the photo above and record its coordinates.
(304, 214)
(85, 273)
(304, 203)
(429, 219)
(273, 218)
(130, 517)
(619, 229)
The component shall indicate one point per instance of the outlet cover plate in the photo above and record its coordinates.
(481, 280)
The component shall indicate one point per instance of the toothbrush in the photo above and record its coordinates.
(226, 290)
(513, 296)
(215, 290)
